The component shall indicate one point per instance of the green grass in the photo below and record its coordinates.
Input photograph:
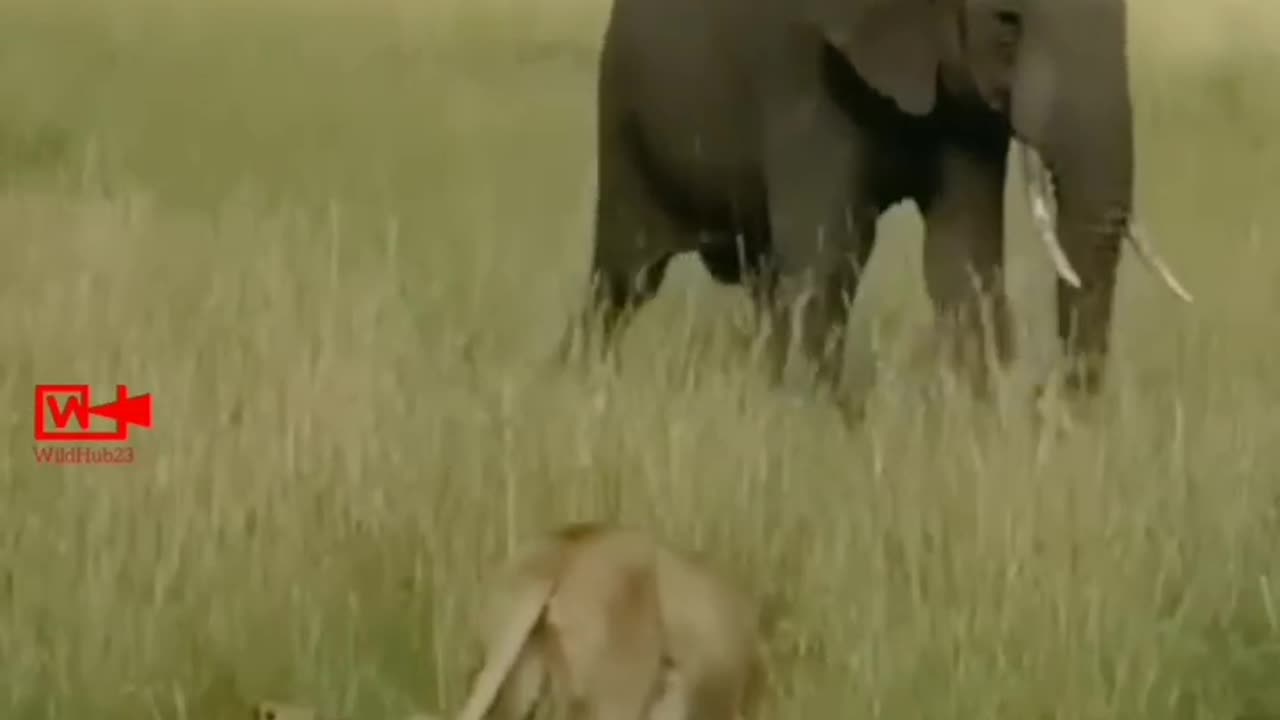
(337, 242)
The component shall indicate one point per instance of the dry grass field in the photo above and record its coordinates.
(336, 239)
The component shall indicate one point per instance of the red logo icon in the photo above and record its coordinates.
(58, 406)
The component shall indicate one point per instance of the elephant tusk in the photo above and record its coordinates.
(1138, 240)
(1034, 175)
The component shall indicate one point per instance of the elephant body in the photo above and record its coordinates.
(769, 135)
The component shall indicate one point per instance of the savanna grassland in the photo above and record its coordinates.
(337, 239)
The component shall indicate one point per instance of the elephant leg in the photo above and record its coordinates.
(822, 234)
(743, 259)
(964, 260)
(736, 258)
(635, 238)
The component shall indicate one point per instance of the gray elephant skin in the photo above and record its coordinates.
(769, 135)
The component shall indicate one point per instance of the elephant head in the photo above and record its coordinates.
(1056, 71)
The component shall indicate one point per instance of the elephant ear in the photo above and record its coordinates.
(893, 44)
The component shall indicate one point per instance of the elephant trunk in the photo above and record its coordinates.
(1094, 211)
(1073, 109)
(1094, 215)
(1079, 158)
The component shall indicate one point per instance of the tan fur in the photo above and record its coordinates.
(614, 626)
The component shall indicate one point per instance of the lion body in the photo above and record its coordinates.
(611, 625)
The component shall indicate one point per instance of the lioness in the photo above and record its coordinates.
(624, 629)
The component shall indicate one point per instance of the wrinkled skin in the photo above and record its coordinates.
(769, 135)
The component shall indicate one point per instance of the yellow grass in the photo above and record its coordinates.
(336, 240)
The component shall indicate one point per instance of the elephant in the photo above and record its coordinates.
(768, 136)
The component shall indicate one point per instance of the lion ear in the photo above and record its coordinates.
(893, 44)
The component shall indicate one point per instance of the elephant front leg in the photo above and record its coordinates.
(822, 233)
(964, 260)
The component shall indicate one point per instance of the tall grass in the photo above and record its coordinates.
(336, 241)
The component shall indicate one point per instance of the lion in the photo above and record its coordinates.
(610, 625)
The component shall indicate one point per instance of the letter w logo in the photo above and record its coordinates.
(58, 405)
(73, 406)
